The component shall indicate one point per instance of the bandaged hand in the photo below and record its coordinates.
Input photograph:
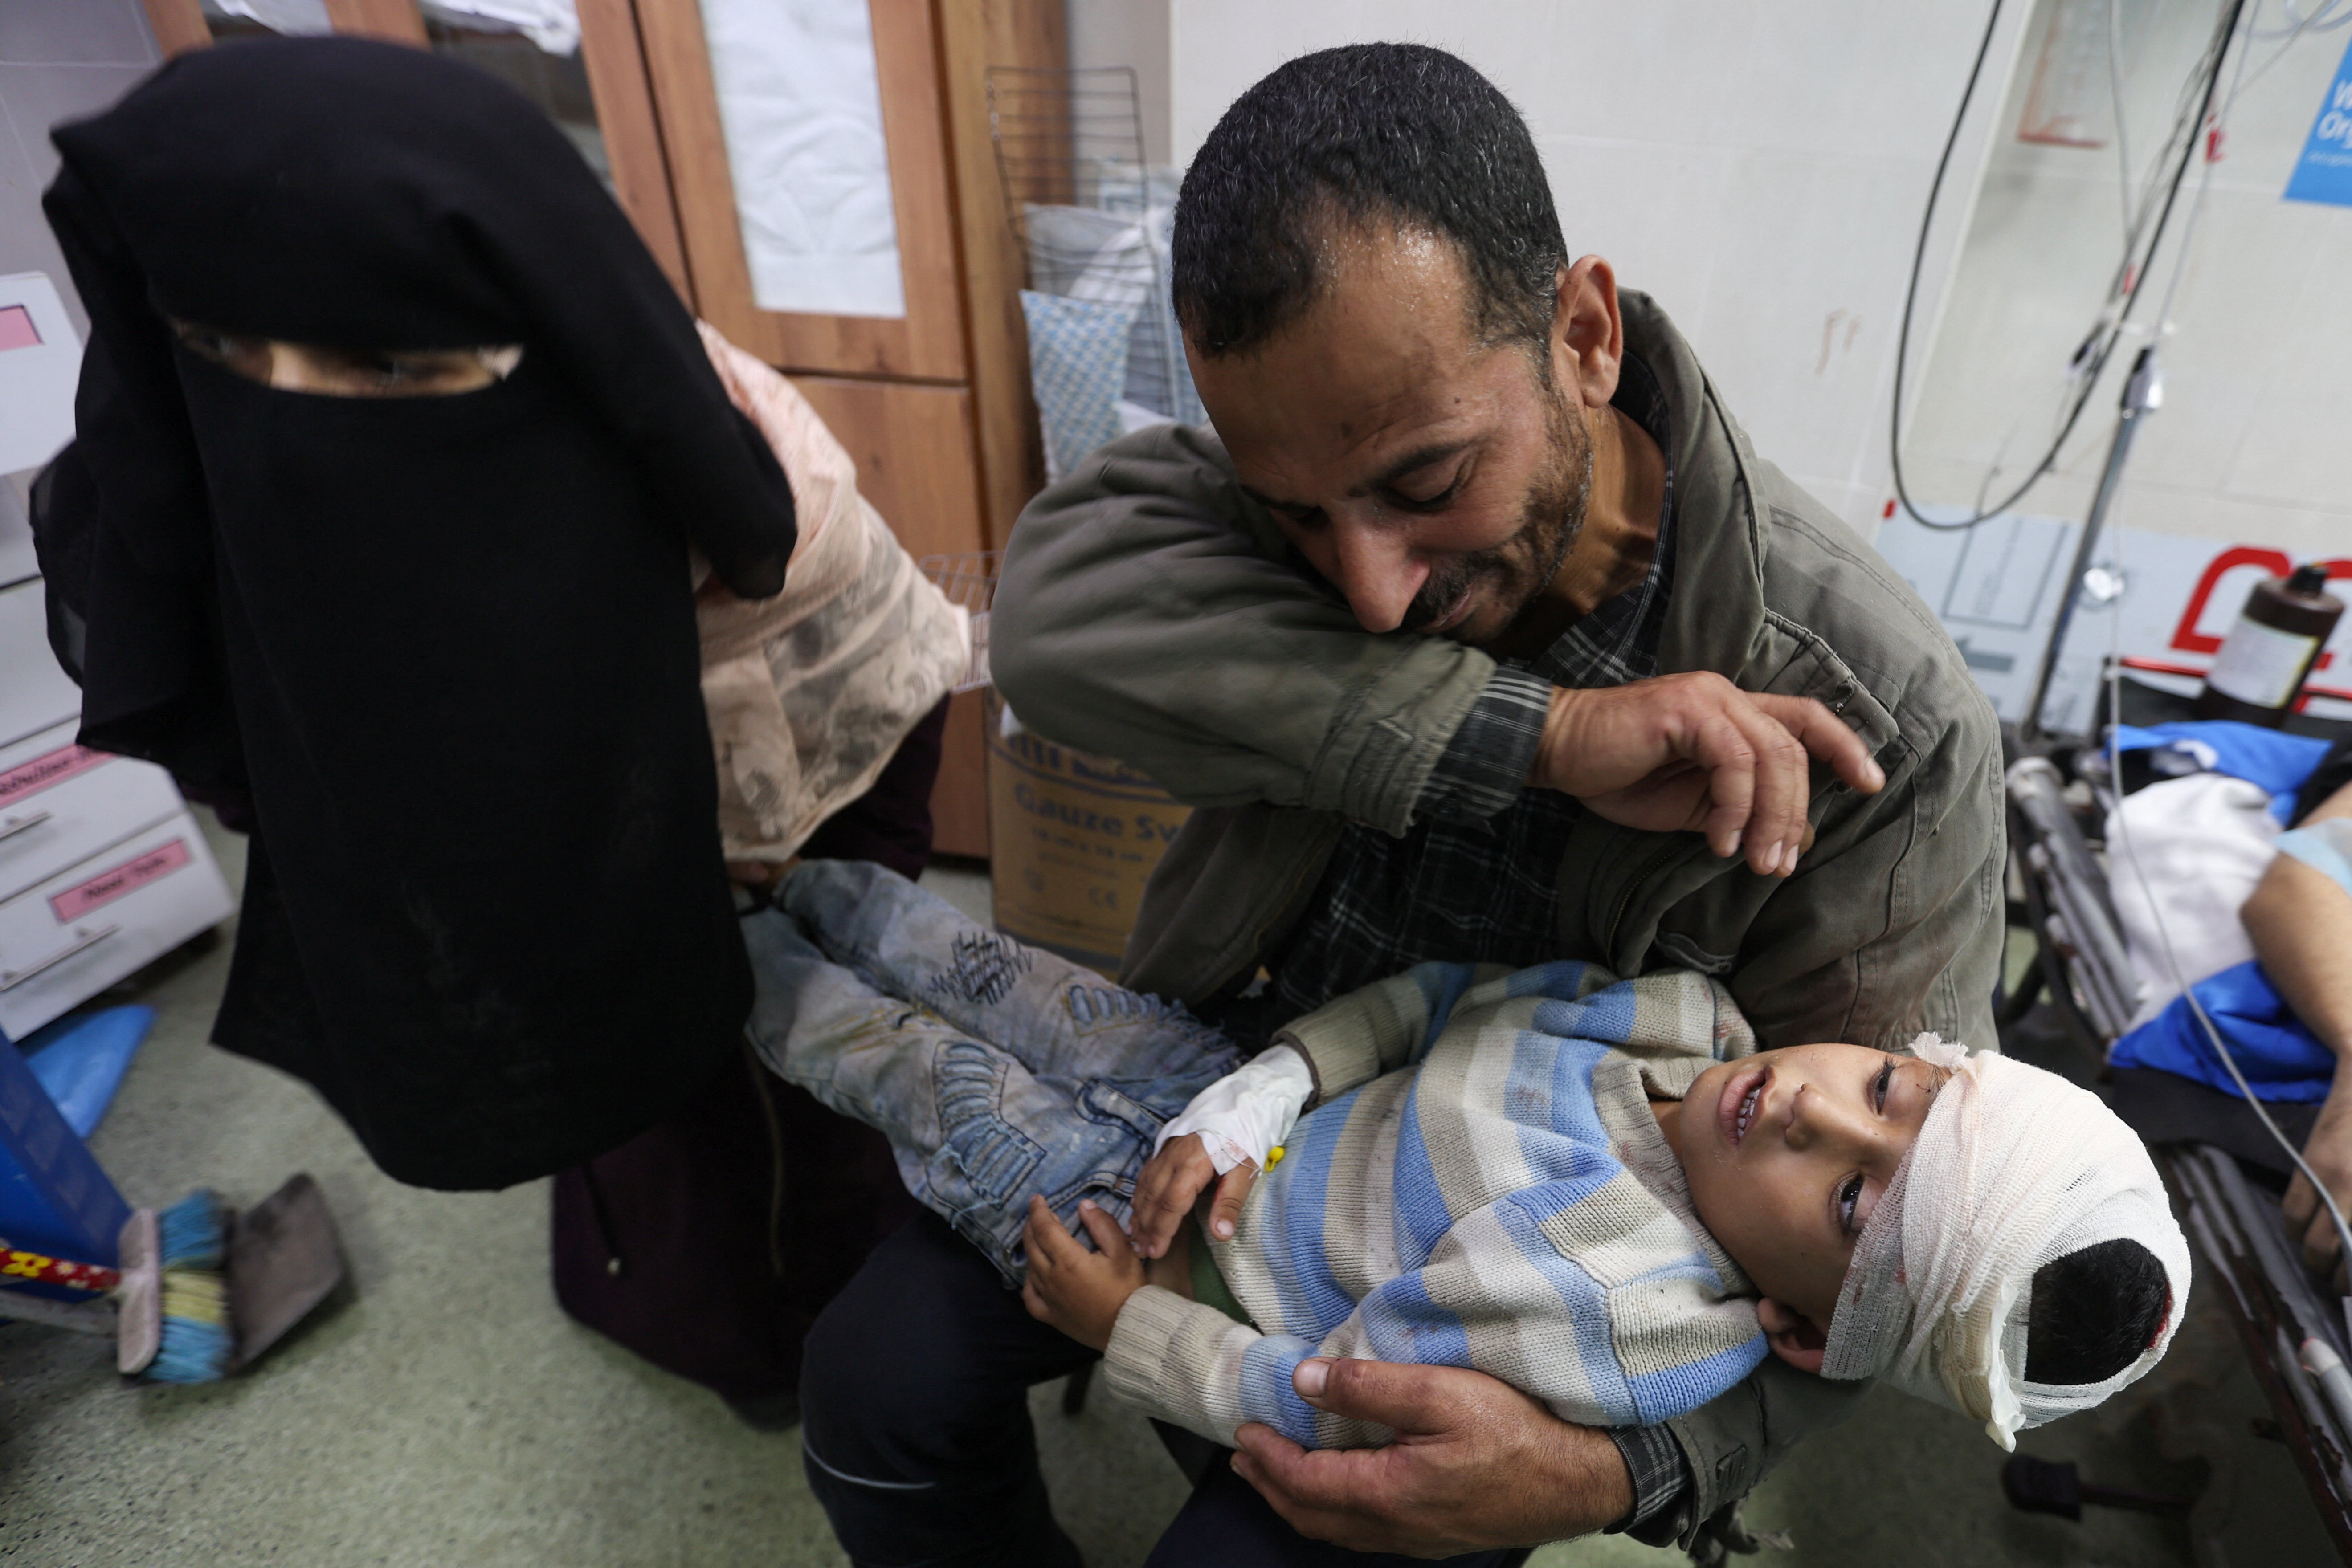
(1076, 1290)
(1225, 1134)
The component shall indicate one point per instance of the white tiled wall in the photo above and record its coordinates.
(1132, 33)
(2249, 445)
(1758, 165)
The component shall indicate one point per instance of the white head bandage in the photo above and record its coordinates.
(2013, 1168)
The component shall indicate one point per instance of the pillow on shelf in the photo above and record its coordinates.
(1077, 365)
(1088, 254)
(1119, 258)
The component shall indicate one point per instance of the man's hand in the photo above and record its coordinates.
(2329, 1152)
(1171, 1183)
(1079, 1291)
(2300, 920)
(1475, 1465)
(1693, 753)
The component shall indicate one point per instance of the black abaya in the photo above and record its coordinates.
(444, 645)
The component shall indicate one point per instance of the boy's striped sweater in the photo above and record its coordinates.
(1481, 1184)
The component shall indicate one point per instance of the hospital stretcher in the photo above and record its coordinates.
(2294, 1334)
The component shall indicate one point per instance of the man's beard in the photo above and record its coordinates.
(1523, 565)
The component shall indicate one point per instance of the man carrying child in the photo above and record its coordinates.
(1485, 638)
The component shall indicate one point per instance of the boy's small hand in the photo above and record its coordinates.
(1171, 1185)
(1079, 1291)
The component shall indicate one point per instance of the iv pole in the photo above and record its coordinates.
(2143, 394)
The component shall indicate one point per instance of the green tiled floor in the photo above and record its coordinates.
(447, 1412)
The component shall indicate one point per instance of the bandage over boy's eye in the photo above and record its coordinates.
(1241, 1116)
(2014, 1168)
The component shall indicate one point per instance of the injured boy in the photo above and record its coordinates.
(1598, 1190)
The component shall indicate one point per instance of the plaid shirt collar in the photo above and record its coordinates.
(1619, 641)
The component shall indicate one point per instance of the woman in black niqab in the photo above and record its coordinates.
(443, 645)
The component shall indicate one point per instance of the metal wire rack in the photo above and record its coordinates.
(1055, 131)
(1092, 214)
(969, 579)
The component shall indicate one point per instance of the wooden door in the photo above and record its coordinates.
(615, 61)
(914, 451)
(927, 341)
(180, 25)
(974, 37)
(913, 447)
(396, 20)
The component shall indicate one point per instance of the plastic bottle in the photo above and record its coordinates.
(2267, 656)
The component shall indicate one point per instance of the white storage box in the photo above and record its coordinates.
(72, 935)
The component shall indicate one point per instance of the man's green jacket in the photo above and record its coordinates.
(1149, 610)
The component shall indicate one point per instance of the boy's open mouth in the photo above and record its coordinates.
(1742, 1098)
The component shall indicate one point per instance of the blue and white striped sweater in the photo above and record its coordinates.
(1482, 1183)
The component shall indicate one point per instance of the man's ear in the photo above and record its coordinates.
(1794, 1337)
(1588, 333)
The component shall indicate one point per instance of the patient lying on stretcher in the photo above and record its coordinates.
(1598, 1190)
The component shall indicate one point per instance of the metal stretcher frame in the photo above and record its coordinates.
(2233, 1225)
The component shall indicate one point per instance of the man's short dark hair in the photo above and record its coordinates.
(1366, 134)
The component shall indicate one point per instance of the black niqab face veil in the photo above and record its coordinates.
(445, 645)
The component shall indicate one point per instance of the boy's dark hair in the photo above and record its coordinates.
(1369, 133)
(2094, 1311)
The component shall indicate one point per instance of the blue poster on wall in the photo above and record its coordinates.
(2324, 172)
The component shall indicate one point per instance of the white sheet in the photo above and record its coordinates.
(552, 25)
(2201, 842)
(800, 98)
(295, 18)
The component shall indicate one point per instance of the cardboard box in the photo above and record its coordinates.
(1073, 838)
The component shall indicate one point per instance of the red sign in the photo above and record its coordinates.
(16, 329)
(55, 767)
(129, 877)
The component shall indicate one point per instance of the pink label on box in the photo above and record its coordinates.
(16, 329)
(129, 877)
(53, 767)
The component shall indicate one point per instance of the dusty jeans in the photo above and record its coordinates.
(996, 1070)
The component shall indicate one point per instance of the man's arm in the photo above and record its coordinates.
(1893, 922)
(1149, 610)
(2300, 919)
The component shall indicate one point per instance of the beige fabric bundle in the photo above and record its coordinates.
(811, 691)
(2014, 1168)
